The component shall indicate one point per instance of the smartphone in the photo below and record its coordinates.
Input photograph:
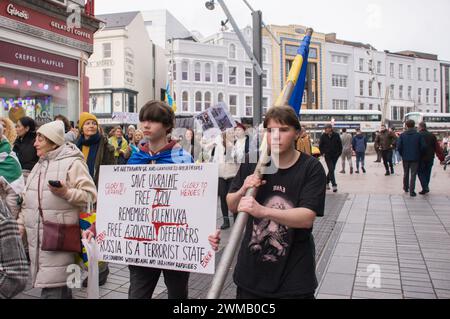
(56, 184)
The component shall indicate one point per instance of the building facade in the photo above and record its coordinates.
(43, 59)
(283, 55)
(217, 70)
(445, 87)
(122, 68)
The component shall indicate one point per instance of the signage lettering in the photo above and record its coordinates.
(14, 12)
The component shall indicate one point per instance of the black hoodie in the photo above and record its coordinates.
(24, 148)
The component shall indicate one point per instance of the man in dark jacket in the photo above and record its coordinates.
(386, 143)
(331, 146)
(359, 145)
(411, 146)
(427, 159)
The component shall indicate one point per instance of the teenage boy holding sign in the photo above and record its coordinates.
(277, 254)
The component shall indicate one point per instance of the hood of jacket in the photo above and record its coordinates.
(64, 151)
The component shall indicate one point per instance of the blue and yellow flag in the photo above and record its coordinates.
(297, 96)
(169, 100)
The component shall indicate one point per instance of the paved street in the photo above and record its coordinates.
(371, 227)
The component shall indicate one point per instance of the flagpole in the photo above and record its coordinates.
(237, 230)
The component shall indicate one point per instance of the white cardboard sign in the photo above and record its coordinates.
(158, 216)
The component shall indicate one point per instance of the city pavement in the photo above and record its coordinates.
(374, 242)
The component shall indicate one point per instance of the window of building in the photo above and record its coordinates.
(392, 91)
(185, 71)
(361, 87)
(379, 67)
(185, 101)
(392, 68)
(264, 79)
(435, 75)
(340, 104)
(220, 97)
(419, 74)
(435, 96)
(339, 59)
(339, 81)
(232, 80)
(400, 71)
(419, 95)
(232, 52)
(409, 92)
(198, 102)
(220, 73)
(361, 65)
(100, 103)
(313, 71)
(107, 51)
(370, 65)
(427, 74)
(107, 79)
(265, 104)
(208, 101)
(248, 77)
(249, 106)
(370, 88)
(379, 89)
(400, 92)
(197, 72)
(264, 55)
(174, 71)
(208, 72)
(233, 104)
(361, 106)
(371, 107)
(409, 73)
(427, 97)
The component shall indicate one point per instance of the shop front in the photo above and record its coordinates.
(43, 60)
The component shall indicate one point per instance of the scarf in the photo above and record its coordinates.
(10, 169)
(93, 143)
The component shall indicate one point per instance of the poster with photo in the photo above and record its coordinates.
(217, 117)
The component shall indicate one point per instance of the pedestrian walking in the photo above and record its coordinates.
(377, 147)
(359, 145)
(386, 142)
(58, 162)
(331, 146)
(426, 162)
(411, 146)
(277, 255)
(346, 139)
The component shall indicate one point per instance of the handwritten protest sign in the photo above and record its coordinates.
(158, 216)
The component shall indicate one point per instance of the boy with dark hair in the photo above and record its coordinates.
(277, 254)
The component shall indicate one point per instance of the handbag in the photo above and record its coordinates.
(59, 237)
(14, 266)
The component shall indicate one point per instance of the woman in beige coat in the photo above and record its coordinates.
(58, 161)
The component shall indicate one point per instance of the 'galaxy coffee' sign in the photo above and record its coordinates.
(41, 20)
(158, 216)
(37, 59)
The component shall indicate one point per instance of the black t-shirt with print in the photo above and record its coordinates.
(276, 261)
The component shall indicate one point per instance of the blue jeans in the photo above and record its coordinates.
(424, 174)
(360, 159)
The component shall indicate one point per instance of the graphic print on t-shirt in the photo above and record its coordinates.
(269, 239)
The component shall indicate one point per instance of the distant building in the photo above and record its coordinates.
(445, 87)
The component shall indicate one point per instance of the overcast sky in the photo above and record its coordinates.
(392, 25)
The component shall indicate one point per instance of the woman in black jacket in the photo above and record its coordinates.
(24, 144)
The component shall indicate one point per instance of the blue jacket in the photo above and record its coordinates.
(411, 145)
(169, 156)
(359, 143)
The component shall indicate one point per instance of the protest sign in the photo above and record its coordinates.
(217, 117)
(158, 216)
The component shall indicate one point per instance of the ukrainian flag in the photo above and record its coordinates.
(292, 93)
(169, 100)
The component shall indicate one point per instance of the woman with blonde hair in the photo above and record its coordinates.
(9, 130)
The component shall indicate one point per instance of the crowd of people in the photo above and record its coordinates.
(51, 173)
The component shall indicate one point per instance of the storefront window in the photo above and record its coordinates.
(100, 103)
(38, 96)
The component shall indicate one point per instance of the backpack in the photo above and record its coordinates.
(14, 266)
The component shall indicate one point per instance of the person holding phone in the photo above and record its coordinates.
(62, 165)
